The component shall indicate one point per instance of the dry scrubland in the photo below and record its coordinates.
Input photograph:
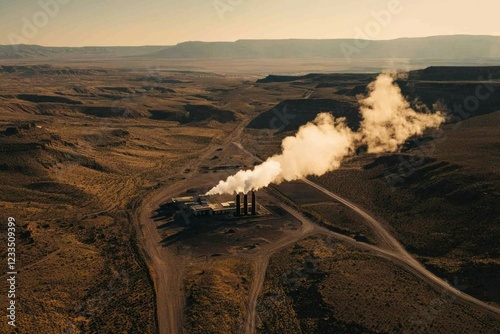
(444, 207)
(216, 293)
(321, 286)
(446, 210)
(71, 179)
(325, 211)
(81, 146)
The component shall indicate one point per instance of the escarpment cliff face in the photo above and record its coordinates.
(465, 47)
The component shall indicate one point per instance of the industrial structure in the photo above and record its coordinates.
(248, 208)
(202, 206)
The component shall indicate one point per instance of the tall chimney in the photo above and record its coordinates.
(254, 207)
(245, 204)
(238, 205)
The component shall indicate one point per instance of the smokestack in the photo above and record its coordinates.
(245, 204)
(238, 205)
(254, 207)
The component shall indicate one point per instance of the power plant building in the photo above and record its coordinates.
(201, 206)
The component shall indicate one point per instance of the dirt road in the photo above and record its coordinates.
(261, 260)
(403, 256)
(167, 267)
(396, 253)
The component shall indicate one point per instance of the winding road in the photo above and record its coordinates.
(167, 268)
(403, 256)
(396, 254)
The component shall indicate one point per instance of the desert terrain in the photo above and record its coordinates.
(92, 152)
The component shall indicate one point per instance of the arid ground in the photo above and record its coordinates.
(92, 152)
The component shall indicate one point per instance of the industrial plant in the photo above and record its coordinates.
(202, 205)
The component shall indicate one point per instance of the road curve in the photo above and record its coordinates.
(261, 261)
(399, 253)
(166, 267)
(404, 256)
(162, 263)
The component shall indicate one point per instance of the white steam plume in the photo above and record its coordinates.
(388, 119)
(317, 147)
(321, 145)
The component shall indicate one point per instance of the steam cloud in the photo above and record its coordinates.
(320, 146)
(388, 119)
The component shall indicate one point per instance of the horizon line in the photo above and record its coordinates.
(248, 39)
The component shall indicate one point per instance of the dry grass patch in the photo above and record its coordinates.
(216, 294)
(322, 286)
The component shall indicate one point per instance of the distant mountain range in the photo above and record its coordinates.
(37, 51)
(453, 48)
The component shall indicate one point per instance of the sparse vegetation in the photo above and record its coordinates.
(216, 294)
(321, 286)
(80, 152)
(69, 182)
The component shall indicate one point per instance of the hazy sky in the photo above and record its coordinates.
(165, 22)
